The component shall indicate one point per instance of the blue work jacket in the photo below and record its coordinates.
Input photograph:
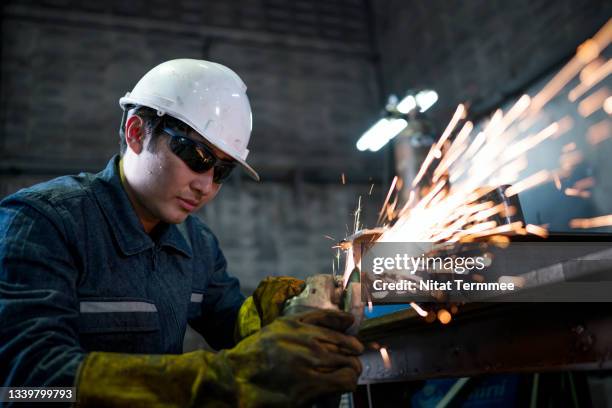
(78, 273)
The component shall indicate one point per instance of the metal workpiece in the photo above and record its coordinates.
(328, 292)
(486, 339)
(512, 209)
(500, 336)
(320, 292)
(359, 242)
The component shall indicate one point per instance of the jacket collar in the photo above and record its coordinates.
(124, 222)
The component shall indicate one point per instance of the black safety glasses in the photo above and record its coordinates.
(197, 156)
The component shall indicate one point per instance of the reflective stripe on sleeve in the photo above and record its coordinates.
(197, 297)
(114, 307)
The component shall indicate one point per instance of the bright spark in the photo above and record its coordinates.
(418, 309)
(385, 357)
(607, 105)
(356, 226)
(536, 179)
(449, 199)
(537, 230)
(599, 132)
(557, 181)
(569, 147)
(574, 192)
(590, 77)
(444, 316)
(391, 189)
(584, 183)
(596, 222)
(436, 149)
(593, 102)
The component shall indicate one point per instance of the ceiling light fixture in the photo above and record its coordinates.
(396, 119)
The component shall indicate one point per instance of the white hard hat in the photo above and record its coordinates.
(207, 96)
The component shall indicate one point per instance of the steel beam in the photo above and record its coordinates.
(490, 338)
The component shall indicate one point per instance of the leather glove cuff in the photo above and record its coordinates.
(132, 380)
(248, 321)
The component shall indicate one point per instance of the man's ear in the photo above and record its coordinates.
(134, 133)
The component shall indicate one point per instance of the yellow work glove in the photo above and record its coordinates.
(271, 293)
(248, 321)
(290, 362)
(266, 304)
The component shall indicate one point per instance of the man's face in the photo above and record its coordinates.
(164, 187)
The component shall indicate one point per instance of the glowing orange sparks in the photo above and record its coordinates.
(444, 316)
(593, 102)
(599, 132)
(382, 210)
(557, 181)
(515, 112)
(385, 357)
(406, 207)
(574, 192)
(536, 230)
(584, 183)
(586, 53)
(418, 309)
(590, 69)
(476, 230)
(607, 105)
(436, 149)
(569, 147)
(590, 77)
(453, 154)
(516, 227)
(567, 161)
(530, 182)
(596, 222)
(450, 207)
(483, 215)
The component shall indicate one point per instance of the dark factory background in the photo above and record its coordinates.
(318, 74)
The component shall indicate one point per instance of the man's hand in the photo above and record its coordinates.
(271, 294)
(266, 304)
(290, 362)
(294, 360)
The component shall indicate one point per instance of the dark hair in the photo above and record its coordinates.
(151, 122)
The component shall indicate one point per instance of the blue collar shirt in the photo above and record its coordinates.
(78, 273)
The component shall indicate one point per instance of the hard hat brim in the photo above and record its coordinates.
(249, 170)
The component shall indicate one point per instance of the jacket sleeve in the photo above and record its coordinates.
(222, 301)
(39, 343)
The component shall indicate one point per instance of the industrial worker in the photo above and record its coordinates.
(101, 273)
